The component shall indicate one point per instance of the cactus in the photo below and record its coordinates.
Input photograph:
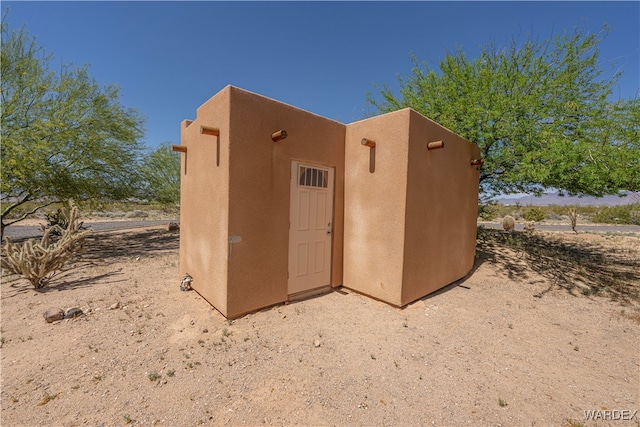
(39, 262)
(508, 223)
(59, 218)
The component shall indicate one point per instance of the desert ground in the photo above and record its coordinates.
(545, 328)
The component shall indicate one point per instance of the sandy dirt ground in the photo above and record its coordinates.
(544, 328)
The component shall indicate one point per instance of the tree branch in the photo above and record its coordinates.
(15, 205)
(25, 215)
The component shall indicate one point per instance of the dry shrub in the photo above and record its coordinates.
(530, 227)
(39, 262)
(573, 218)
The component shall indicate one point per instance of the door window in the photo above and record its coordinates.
(312, 177)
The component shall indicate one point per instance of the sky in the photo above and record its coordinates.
(168, 58)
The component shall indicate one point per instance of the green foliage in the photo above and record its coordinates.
(161, 172)
(622, 214)
(539, 110)
(63, 135)
(487, 211)
(39, 262)
(534, 214)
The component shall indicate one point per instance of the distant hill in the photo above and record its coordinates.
(554, 199)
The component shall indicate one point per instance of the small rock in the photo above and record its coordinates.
(71, 313)
(174, 226)
(114, 306)
(53, 315)
(316, 343)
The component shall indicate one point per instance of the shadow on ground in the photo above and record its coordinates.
(102, 249)
(139, 243)
(578, 267)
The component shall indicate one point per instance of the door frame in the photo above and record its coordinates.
(294, 186)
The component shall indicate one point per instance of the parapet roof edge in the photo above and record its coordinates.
(383, 114)
(232, 87)
(237, 88)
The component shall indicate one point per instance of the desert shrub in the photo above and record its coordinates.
(530, 227)
(508, 223)
(487, 211)
(622, 214)
(561, 211)
(39, 262)
(534, 214)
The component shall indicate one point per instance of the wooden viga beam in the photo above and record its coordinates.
(372, 153)
(279, 135)
(434, 145)
(368, 143)
(208, 130)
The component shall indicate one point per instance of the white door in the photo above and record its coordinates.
(311, 227)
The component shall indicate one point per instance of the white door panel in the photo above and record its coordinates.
(311, 228)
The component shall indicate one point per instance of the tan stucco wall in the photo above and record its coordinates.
(410, 226)
(204, 201)
(441, 209)
(260, 186)
(399, 233)
(375, 206)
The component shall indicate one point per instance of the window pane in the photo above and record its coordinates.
(312, 177)
(301, 172)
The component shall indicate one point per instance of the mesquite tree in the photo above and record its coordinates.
(161, 171)
(541, 112)
(63, 135)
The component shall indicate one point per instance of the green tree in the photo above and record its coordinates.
(63, 135)
(539, 110)
(161, 171)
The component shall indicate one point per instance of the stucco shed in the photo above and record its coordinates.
(279, 203)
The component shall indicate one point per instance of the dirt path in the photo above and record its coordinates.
(510, 345)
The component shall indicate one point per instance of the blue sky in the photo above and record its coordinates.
(170, 57)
